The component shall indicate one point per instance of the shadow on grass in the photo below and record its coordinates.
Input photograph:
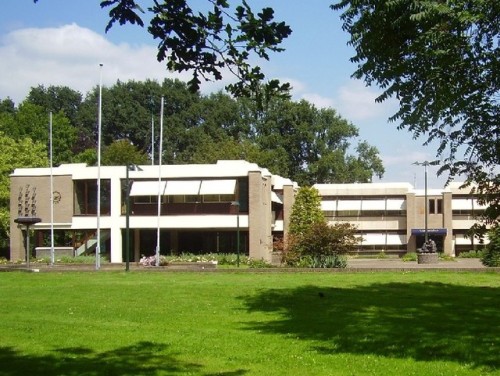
(143, 358)
(423, 321)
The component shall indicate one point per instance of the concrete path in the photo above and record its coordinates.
(398, 264)
(353, 265)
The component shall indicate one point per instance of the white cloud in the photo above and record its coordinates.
(318, 100)
(70, 56)
(355, 102)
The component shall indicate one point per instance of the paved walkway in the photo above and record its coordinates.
(353, 265)
(398, 264)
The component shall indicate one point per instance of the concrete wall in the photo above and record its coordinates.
(63, 206)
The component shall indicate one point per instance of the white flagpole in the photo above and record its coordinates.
(157, 263)
(51, 194)
(99, 126)
(152, 140)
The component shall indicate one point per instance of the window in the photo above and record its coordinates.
(435, 206)
(85, 192)
(432, 206)
(218, 198)
(147, 199)
(439, 208)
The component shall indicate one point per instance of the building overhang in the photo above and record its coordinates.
(430, 231)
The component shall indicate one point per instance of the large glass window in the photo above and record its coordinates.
(85, 192)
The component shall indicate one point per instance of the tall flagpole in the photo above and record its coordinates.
(51, 194)
(99, 126)
(157, 263)
(152, 140)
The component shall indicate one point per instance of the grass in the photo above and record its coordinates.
(174, 323)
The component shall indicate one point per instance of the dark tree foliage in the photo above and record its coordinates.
(55, 99)
(441, 60)
(7, 106)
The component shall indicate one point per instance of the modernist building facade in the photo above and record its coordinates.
(392, 217)
(207, 208)
(193, 208)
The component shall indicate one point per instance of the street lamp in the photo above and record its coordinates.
(127, 213)
(425, 164)
(237, 204)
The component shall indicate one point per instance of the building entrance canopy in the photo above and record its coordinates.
(430, 231)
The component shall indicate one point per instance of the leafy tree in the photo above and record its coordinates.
(57, 99)
(306, 211)
(15, 154)
(440, 59)
(128, 109)
(323, 239)
(32, 121)
(316, 142)
(7, 106)
(122, 152)
(491, 255)
(88, 156)
(366, 164)
(208, 41)
(312, 241)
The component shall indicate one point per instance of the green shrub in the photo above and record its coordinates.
(410, 256)
(3, 261)
(230, 259)
(491, 255)
(444, 257)
(322, 261)
(254, 263)
(382, 255)
(69, 260)
(471, 254)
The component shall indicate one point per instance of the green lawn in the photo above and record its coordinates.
(153, 323)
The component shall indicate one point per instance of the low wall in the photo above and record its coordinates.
(42, 252)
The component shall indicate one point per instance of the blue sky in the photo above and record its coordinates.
(62, 42)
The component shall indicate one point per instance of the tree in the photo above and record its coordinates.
(491, 255)
(32, 121)
(316, 142)
(57, 99)
(7, 106)
(440, 59)
(15, 154)
(207, 42)
(312, 241)
(128, 109)
(306, 211)
(122, 152)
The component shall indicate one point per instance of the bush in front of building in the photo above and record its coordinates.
(409, 256)
(312, 241)
(81, 260)
(321, 245)
(471, 254)
(491, 254)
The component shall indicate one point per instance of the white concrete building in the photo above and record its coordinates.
(203, 208)
(391, 217)
(206, 208)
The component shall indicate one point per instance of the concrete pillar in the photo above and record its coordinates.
(288, 200)
(259, 216)
(411, 213)
(448, 225)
